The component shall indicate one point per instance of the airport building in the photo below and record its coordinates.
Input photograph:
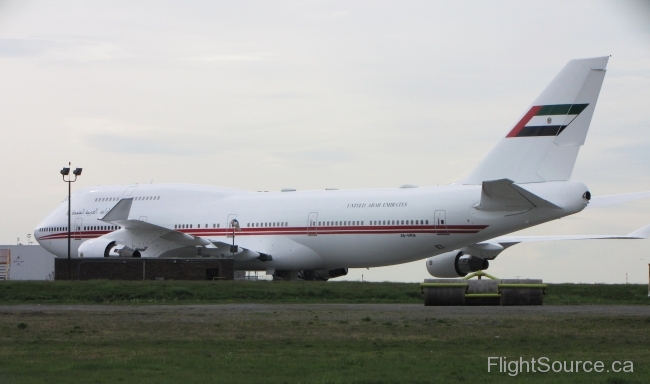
(26, 262)
(33, 262)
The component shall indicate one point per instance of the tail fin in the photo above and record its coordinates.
(544, 144)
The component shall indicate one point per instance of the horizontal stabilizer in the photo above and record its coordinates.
(507, 241)
(606, 201)
(504, 195)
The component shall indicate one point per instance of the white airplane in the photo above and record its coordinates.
(523, 181)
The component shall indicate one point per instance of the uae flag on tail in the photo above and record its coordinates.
(546, 120)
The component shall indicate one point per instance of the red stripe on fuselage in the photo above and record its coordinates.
(524, 120)
(288, 231)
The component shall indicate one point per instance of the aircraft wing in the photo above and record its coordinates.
(507, 241)
(119, 215)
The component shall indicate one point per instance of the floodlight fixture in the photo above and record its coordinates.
(66, 172)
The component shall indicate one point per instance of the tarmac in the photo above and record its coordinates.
(381, 310)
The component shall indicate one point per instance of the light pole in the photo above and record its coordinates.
(66, 172)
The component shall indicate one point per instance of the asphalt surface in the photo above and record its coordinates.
(389, 310)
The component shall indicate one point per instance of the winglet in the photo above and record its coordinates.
(120, 211)
(641, 233)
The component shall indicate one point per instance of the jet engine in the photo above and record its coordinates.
(455, 264)
(105, 248)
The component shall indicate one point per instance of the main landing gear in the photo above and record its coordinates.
(490, 291)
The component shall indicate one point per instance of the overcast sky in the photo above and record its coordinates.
(265, 95)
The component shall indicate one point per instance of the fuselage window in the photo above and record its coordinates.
(218, 225)
(198, 225)
(214, 225)
(190, 226)
(427, 221)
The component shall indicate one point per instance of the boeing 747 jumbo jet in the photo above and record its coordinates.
(523, 181)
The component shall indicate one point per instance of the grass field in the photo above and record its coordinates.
(306, 343)
(299, 334)
(189, 292)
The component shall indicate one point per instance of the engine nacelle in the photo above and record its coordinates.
(105, 248)
(455, 264)
(95, 248)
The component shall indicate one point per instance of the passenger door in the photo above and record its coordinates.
(230, 232)
(441, 223)
(312, 224)
(77, 228)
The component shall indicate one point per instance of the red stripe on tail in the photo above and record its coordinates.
(524, 120)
